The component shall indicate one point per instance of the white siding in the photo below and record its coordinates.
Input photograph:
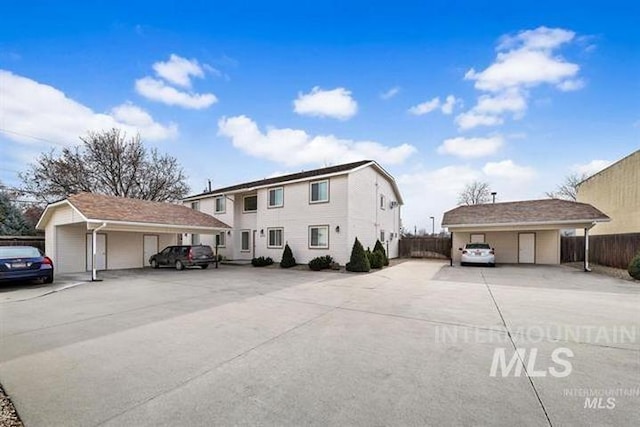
(70, 253)
(366, 218)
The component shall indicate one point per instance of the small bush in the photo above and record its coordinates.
(261, 261)
(377, 259)
(358, 261)
(321, 263)
(380, 247)
(287, 258)
(634, 267)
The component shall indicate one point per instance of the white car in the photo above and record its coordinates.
(478, 253)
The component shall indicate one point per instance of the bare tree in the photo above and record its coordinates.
(475, 193)
(568, 190)
(108, 163)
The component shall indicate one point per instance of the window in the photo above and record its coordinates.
(221, 239)
(195, 239)
(244, 244)
(319, 192)
(381, 235)
(195, 206)
(276, 197)
(319, 237)
(275, 237)
(221, 204)
(383, 202)
(250, 203)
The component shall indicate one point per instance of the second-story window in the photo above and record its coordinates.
(383, 202)
(319, 191)
(276, 197)
(195, 206)
(221, 204)
(250, 203)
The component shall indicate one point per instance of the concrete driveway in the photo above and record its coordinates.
(410, 345)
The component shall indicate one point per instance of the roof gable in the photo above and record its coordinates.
(99, 207)
(528, 211)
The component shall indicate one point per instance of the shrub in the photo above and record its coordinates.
(358, 261)
(380, 247)
(634, 267)
(287, 258)
(377, 259)
(321, 263)
(369, 255)
(261, 261)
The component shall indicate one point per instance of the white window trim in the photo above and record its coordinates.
(243, 203)
(215, 207)
(249, 241)
(269, 246)
(311, 191)
(269, 205)
(328, 237)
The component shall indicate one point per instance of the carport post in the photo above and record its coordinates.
(451, 252)
(94, 244)
(586, 250)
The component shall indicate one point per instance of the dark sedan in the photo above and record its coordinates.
(24, 263)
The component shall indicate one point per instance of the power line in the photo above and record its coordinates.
(11, 132)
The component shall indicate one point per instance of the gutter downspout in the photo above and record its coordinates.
(94, 237)
(586, 248)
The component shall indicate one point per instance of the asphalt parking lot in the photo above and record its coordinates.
(413, 344)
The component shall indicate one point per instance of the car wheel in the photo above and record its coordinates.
(204, 266)
(48, 279)
(179, 265)
(154, 264)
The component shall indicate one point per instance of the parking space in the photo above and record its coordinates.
(413, 344)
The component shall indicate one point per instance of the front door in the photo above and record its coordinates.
(150, 248)
(527, 248)
(101, 251)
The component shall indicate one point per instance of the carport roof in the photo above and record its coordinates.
(546, 211)
(101, 208)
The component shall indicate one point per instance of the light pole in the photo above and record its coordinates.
(433, 225)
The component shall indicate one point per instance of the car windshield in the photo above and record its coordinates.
(478, 246)
(19, 252)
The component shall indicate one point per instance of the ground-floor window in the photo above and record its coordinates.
(245, 239)
(382, 236)
(274, 237)
(319, 236)
(221, 240)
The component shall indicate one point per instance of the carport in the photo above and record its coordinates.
(90, 232)
(522, 232)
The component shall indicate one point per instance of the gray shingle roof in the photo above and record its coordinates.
(528, 211)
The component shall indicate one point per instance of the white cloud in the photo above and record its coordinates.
(336, 103)
(390, 93)
(524, 61)
(434, 104)
(471, 119)
(42, 111)
(178, 70)
(293, 147)
(157, 90)
(471, 147)
(590, 168)
(509, 170)
(425, 107)
(449, 103)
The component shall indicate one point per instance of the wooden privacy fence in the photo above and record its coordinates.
(35, 241)
(425, 247)
(613, 250)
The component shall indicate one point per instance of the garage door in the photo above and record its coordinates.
(526, 248)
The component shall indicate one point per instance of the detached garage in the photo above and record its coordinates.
(525, 232)
(120, 232)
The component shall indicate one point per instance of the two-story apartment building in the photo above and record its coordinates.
(317, 212)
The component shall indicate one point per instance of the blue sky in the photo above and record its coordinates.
(440, 93)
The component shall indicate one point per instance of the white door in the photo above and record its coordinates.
(526, 248)
(101, 251)
(150, 247)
